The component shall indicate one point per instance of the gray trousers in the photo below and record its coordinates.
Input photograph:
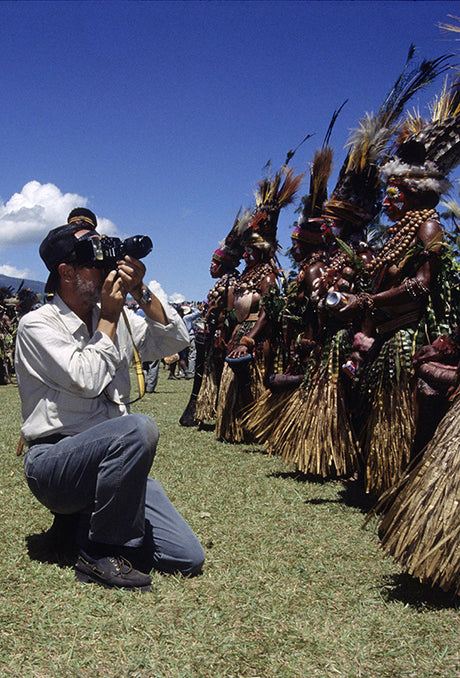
(103, 474)
(151, 371)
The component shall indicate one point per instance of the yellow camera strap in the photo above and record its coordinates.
(137, 365)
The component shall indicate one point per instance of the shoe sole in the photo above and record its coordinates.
(87, 579)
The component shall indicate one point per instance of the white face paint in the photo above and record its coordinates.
(395, 202)
(249, 255)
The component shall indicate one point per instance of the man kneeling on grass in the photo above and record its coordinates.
(87, 455)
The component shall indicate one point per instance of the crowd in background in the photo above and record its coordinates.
(13, 305)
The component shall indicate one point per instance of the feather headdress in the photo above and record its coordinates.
(309, 226)
(355, 198)
(272, 195)
(230, 249)
(451, 28)
(427, 152)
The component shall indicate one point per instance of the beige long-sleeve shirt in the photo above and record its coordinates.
(68, 379)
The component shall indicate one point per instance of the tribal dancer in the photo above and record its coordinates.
(411, 290)
(315, 431)
(248, 358)
(220, 318)
(421, 526)
(292, 317)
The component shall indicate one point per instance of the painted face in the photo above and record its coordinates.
(250, 255)
(333, 227)
(299, 249)
(396, 201)
(214, 269)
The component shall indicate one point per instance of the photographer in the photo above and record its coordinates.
(87, 455)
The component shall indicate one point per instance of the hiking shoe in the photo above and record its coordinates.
(112, 572)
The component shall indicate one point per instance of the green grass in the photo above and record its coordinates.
(292, 585)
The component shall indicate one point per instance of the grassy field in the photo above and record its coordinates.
(292, 585)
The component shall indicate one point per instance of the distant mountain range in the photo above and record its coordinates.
(34, 285)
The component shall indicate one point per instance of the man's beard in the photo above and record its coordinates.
(88, 289)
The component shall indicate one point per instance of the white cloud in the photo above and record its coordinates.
(29, 215)
(174, 298)
(155, 287)
(14, 272)
(106, 227)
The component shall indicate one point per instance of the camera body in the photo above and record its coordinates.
(107, 251)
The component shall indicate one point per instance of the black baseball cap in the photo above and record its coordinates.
(57, 248)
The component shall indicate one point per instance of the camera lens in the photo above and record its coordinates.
(138, 246)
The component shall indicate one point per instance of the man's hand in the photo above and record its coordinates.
(362, 343)
(444, 349)
(113, 296)
(131, 272)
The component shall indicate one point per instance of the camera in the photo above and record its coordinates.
(106, 251)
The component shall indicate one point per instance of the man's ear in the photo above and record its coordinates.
(67, 273)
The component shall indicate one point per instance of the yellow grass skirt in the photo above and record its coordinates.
(421, 529)
(314, 429)
(388, 435)
(206, 403)
(237, 390)
(261, 418)
(388, 392)
(315, 432)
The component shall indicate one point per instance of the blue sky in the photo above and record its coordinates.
(160, 116)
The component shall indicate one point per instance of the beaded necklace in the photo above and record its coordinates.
(322, 255)
(250, 280)
(219, 289)
(304, 265)
(401, 236)
(334, 270)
